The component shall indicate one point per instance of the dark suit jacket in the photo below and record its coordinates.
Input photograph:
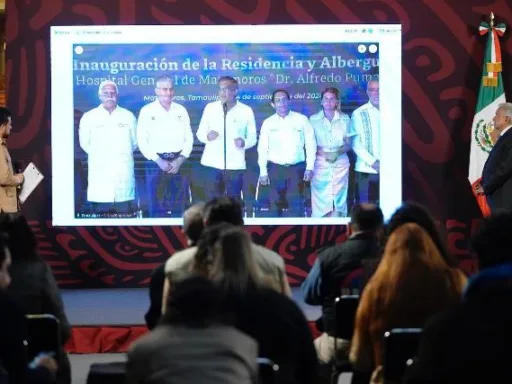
(333, 265)
(34, 290)
(497, 174)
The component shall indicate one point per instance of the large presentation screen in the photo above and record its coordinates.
(297, 122)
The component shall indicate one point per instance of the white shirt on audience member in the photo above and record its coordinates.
(365, 123)
(162, 131)
(283, 140)
(240, 122)
(109, 141)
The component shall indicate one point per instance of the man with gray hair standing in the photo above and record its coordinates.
(107, 134)
(365, 122)
(496, 183)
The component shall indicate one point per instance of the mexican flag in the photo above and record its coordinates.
(490, 96)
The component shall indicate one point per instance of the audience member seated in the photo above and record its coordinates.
(33, 286)
(228, 210)
(271, 318)
(471, 343)
(193, 344)
(412, 283)
(333, 265)
(13, 333)
(411, 212)
(492, 242)
(192, 229)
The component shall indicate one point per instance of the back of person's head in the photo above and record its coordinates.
(4, 115)
(411, 212)
(195, 302)
(223, 210)
(233, 266)
(21, 240)
(492, 240)
(204, 255)
(193, 223)
(366, 218)
(413, 272)
(493, 283)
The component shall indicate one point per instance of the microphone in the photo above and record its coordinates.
(225, 108)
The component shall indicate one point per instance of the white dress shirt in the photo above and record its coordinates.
(109, 141)
(283, 140)
(366, 123)
(162, 131)
(505, 130)
(240, 122)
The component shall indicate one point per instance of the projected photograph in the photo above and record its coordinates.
(291, 130)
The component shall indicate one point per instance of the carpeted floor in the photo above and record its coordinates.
(128, 306)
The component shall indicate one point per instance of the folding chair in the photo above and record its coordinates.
(107, 373)
(43, 335)
(400, 346)
(268, 371)
(345, 308)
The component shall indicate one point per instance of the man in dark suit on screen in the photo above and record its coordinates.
(496, 182)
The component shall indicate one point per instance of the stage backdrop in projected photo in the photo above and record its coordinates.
(114, 140)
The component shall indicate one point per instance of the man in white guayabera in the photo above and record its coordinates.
(365, 123)
(107, 134)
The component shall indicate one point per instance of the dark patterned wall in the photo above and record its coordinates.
(442, 61)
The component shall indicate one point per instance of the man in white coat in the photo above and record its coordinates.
(107, 134)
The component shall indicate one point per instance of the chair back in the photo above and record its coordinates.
(400, 346)
(107, 373)
(43, 335)
(345, 308)
(4, 377)
(268, 371)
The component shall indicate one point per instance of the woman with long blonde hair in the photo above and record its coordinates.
(412, 283)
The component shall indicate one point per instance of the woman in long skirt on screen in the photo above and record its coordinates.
(329, 187)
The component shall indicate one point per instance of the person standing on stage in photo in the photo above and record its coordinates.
(166, 141)
(286, 155)
(496, 183)
(107, 134)
(9, 181)
(329, 187)
(366, 145)
(223, 158)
